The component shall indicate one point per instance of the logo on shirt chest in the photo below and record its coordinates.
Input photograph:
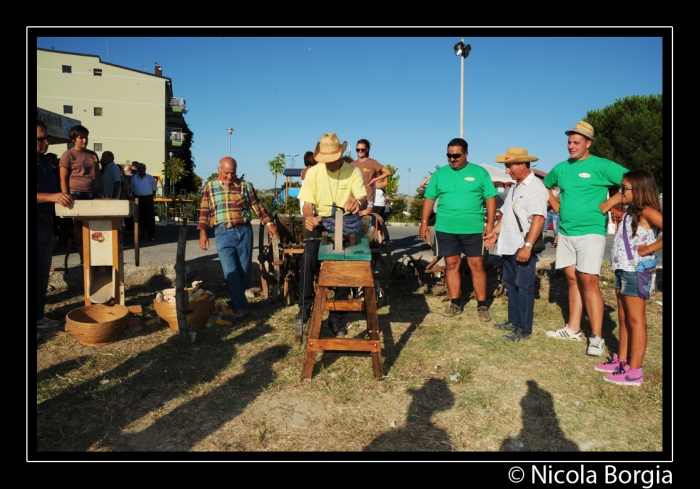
(584, 175)
(469, 179)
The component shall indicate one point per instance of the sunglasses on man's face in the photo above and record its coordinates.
(454, 156)
(364, 150)
(45, 139)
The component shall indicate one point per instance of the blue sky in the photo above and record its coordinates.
(402, 93)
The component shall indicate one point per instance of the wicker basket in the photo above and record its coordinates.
(201, 312)
(98, 324)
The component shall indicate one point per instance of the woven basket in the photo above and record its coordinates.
(98, 324)
(201, 312)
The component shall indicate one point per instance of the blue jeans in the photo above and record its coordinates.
(44, 251)
(552, 217)
(519, 279)
(235, 248)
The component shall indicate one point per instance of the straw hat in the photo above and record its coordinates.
(329, 149)
(582, 128)
(515, 155)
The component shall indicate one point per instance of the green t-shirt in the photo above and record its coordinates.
(584, 185)
(462, 194)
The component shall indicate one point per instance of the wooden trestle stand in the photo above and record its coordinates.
(103, 256)
(348, 267)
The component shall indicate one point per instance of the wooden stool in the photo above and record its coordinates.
(349, 269)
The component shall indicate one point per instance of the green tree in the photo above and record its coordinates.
(277, 166)
(174, 170)
(188, 180)
(392, 185)
(630, 132)
(416, 207)
(213, 176)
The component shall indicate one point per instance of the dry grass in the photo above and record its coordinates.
(237, 388)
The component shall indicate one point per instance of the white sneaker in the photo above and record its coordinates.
(565, 334)
(46, 323)
(596, 346)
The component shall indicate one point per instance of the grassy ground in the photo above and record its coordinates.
(449, 385)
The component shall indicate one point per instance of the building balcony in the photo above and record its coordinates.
(174, 136)
(177, 104)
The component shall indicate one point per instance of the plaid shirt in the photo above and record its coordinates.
(222, 205)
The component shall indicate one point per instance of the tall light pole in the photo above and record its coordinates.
(463, 51)
(230, 131)
(409, 182)
(292, 157)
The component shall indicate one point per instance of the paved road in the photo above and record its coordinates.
(404, 240)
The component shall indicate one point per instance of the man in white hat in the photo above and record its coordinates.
(327, 186)
(517, 231)
(584, 180)
(463, 189)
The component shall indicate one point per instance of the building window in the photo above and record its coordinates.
(97, 72)
(98, 147)
(98, 111)
(67, 69)
(67, 109)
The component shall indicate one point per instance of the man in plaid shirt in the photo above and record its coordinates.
(226, 204)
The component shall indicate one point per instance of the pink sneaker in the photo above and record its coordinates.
(611, 366)
(626, 376)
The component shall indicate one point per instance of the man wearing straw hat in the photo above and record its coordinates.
(334, 184)
(584, 180)
(462, 188)
(524, 213)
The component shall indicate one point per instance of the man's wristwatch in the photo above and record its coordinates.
(528, 244)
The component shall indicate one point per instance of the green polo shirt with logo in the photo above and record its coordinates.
(584, 185)
(462, 194)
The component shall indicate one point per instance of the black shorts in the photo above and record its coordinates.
(470, 245)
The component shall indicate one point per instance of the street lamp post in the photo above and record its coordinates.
(230, 131)
(409, 182)
(463, 51)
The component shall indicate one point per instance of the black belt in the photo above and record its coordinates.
(43, 216)
(230, 225)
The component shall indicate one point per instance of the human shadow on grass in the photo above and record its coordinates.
(541, 431)
(99, 409)
(419, 434)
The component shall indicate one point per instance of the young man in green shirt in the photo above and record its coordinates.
(584, 181)
(462, 188)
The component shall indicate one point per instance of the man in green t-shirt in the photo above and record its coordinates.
(462, 188)
(584, 180)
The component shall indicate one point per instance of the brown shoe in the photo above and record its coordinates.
(483, 313)
(452, 311)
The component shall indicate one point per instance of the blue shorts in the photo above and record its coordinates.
(627, 283)
(470, 245)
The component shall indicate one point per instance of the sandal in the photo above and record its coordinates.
(554, 245)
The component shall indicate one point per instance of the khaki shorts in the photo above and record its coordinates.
(586, 252)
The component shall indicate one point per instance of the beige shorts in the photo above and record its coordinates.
(586, 252)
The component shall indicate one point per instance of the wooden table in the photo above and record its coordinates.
(350, 267)
(172, 202)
